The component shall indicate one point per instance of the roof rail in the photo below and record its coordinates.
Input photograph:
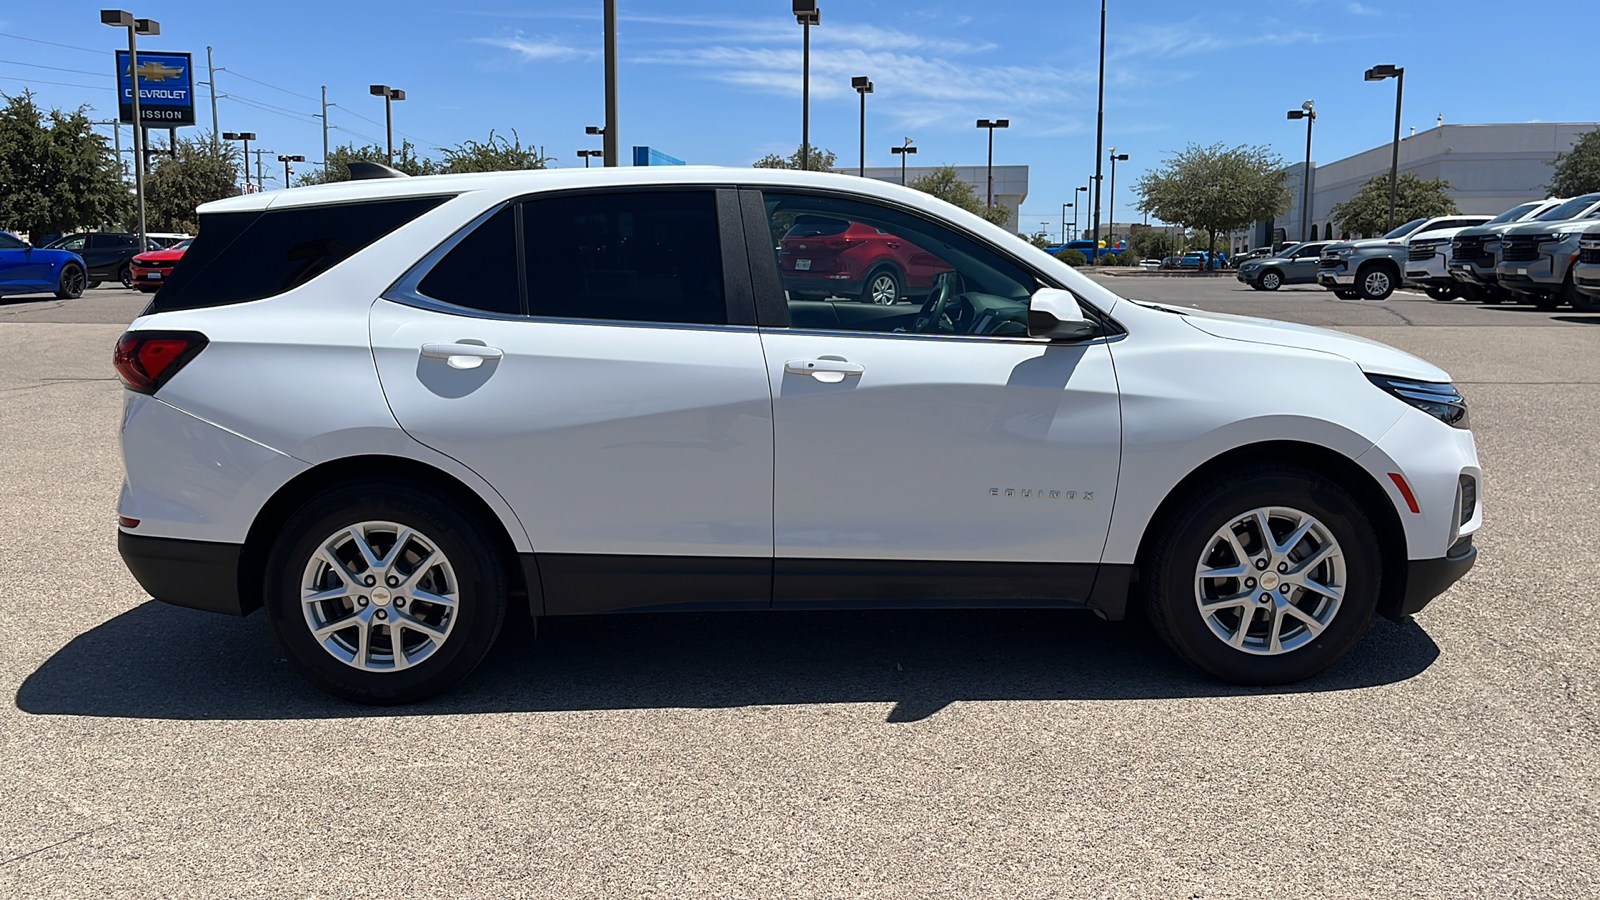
(361, 171)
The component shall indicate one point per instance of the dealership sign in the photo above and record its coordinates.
(166, 89)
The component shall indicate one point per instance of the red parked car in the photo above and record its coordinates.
(826, 257)
(150, 269)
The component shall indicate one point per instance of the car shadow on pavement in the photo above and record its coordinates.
(158, 661)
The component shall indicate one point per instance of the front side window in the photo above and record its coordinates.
(642, 256)
(74, 244)
(7, 242)
(853, 265)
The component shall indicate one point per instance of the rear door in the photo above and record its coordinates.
(593, 356)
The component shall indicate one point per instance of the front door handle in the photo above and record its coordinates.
(828, 371)
(461, 356)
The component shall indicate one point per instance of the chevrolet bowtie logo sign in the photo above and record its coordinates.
(154, 71)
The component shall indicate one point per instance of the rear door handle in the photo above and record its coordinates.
(461, 356)
(828, 371)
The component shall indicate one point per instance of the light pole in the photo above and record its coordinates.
(610, 142)
(589, 154)
(1099, 133)
(901, 152)
(863, 87)
(1112, 200)
(807, 13)
(389, 95)
(1082, 189)
(1064, 208)
(247, 137)
(992, 125)
(119, 18)
(1398, 73)
(1308, 112)
(286, 160)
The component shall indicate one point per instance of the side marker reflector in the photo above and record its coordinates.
(127, 522)
(1405, 491)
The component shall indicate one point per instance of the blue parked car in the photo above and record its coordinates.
(26, 269)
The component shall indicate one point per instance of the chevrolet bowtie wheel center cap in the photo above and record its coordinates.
(380, 596)
(1269, 580)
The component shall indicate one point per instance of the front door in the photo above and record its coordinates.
(609, 398)
(21, 270)
(932, 452)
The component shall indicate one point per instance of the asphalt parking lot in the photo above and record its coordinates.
(153, 751)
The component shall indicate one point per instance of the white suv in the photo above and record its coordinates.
(387, 411)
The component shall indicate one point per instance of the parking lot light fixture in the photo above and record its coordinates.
(807, 13)
(1307, 111)
(1081, 189)
(389, 95)
(121, 18)
(286, 160)
(1398, 73)
(1111, 201)
(587, 155)
(1064, 208)
(246, 137)
(901, 151)
(863, 86)
(992, 124)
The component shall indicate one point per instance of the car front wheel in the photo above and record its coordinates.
(125, 275)
(72, 282)
(1375, 283)
(1268, 578)
(380, 592)
(1270, 281)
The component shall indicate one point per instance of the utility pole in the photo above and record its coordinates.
(1099, 136)
(211, 74)
(261, 184)
(609, 139)
(324, 132)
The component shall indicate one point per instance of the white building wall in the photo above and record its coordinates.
(1010, 182)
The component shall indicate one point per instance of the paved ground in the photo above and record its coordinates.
(153, 751)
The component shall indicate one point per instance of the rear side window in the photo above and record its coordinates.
(649, 256)
(239, 257)
(480, 272)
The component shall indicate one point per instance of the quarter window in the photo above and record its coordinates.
(480, 272)
(648, 256)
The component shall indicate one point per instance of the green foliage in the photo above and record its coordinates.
(1578, 170)
(1367, 213)
(1150, 243)
(947, 186)
(1120, 259)
(494, 155)
(405, 160)
(818, 160)
(56, 174)
(1038, 239)
(200, 172)
(1216, 188)
(1074, 258)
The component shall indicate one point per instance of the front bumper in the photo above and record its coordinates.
(1428, 578)
(1467, 273)
(1586, 278)
(195, 574)
(1432, 272)
(1339, 276)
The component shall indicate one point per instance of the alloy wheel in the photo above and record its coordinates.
(1270, 581)
(1271, 281)
(883, 289)
(72, 281)
(379, 597)
(1376, 284)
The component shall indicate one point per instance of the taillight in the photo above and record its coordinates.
(146, 360)
(842, 243)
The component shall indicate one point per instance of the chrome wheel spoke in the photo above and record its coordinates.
(1309, 621)
(359, 541)
(352, 620)
(1326, 590)
(1247, 616)
(1283, 626)
(337, 593)
(419, 626)
(436, 599)
(1295, 537)
(397, 645)
(1237, 600)
(1305, 566)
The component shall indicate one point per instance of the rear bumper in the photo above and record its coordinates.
(196, 574)
(1428, 578)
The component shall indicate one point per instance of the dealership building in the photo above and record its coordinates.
(1490, 168)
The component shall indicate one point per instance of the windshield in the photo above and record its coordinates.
(1406, 229)
(183, 244)
(1288, 251)
(1571, 209)
(1515, 213)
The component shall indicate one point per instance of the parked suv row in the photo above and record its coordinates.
(1528, 258)
(1372, 269)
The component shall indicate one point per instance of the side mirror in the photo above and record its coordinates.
(1054, 314)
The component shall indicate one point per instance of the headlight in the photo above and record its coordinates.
(1442, 401)
(1561, 236)
(1345, 253)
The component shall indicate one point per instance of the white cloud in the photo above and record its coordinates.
(535, 49)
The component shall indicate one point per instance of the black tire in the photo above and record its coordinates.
(70, 287)
(465, 543)
(148, 288)
(1546, 302)
(1473, 293)
(1576, 298)
(125, 275)
(1175, 550)
(1375, 282)
(1586, 302)
(1346, 295)
(880, 280)
(1270, 280)
(1441, 292)
(93, 284)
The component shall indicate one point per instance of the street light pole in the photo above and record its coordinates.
(863, 87)
(610, 142)
(389, 95)
(286, 160)
(1081, 189)
(1112, 200)
(1099, 133)
(586, 155)
(1064, 207)
(247, 137)
(1398, 73)
(119, 18)
(1308, 112)
(901, 152)
(807, 14)
(992, 125)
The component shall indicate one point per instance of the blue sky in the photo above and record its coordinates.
(717, 81)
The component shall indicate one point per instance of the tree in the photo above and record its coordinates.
(56, 174)
(818, 160)
(1367, 213)
(200, 171)
(1039, 239)
(1578, 170)
(1151, 243)
(405, 160)
(1216, 188)
(494, 155)
(947, 186)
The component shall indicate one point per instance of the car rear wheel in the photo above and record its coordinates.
(92, 285)
(380, 592)
(882, 288)
(1270, 280)
(125, 275)
(1268, 577)
(1375, 283)
(72, 282)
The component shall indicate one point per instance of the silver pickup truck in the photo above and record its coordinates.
(1372, 269)
(1536, 257)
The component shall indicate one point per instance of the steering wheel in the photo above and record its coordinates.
(933, 313)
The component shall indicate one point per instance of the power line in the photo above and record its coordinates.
(98, 87)
(265, 84)
(281, 110)
(19, 37)
(13, 62)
